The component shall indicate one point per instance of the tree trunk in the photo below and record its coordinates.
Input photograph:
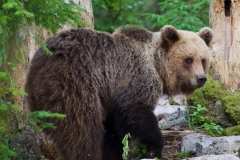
(88, 17)
(225, 22)
(28, 50)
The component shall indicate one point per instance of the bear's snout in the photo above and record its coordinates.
(201, 79)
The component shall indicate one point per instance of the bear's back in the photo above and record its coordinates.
(83, 60)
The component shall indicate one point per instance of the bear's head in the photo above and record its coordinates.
(186, 59)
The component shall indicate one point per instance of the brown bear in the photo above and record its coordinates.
(107, 85)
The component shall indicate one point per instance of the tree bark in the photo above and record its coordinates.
(88, 17)
(28, 50)
(225, 22)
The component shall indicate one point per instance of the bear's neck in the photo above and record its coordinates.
(160, 65)
(162, 70)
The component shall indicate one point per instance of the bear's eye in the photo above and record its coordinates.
(189, 60)
(203, 61)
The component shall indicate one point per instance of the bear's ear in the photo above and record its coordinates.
(169, 36)
(206, 34)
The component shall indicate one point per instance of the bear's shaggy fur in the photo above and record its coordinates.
(108, 85)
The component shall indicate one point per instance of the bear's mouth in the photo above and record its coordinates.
(188, 89)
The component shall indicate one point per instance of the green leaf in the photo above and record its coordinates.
(125, 146)
(24, 13)
(16, 91)
(3, 75)
(10, 5)
(3, 107)
(15, 107)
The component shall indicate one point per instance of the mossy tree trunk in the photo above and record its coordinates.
(225, 22)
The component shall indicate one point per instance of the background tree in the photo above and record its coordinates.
(110, 14)
(183, 14)
(225, 22)
(25, 24)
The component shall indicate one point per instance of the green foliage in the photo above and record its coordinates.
(232, 131)
(141, 150)
(10, 116)
(133, 149)
(181, 155)
(212, 127)
(126, 148)
(232, 105)
(6, 153)
(209, 94)
(183, 14)
(189, 15)
(17, 16)
(110, 14)
(197, 119)
(213, 92)
(38, 117)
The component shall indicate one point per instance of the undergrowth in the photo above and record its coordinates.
(223, 106)
(15, 20)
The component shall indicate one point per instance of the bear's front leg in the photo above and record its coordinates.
(137, 119)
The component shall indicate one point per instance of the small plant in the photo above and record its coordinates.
(197, 120)
(181, 155)
(212, 127)
(126, 148)
(137, 151)
(141, 151)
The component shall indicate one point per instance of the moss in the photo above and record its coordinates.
(215, 97)
(232, 104)
(171, 101)
(209, 94)
(232, 131)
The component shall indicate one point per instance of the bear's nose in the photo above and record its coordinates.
(202, 79)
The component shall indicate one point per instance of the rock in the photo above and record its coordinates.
(171, 117)
(206, 145)
(211, 157)
(178, 99)
(215, 157)
(219, 145)
(31, 145)
(163, 100)
(219, 114)
(27, 144)
(189, 141)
